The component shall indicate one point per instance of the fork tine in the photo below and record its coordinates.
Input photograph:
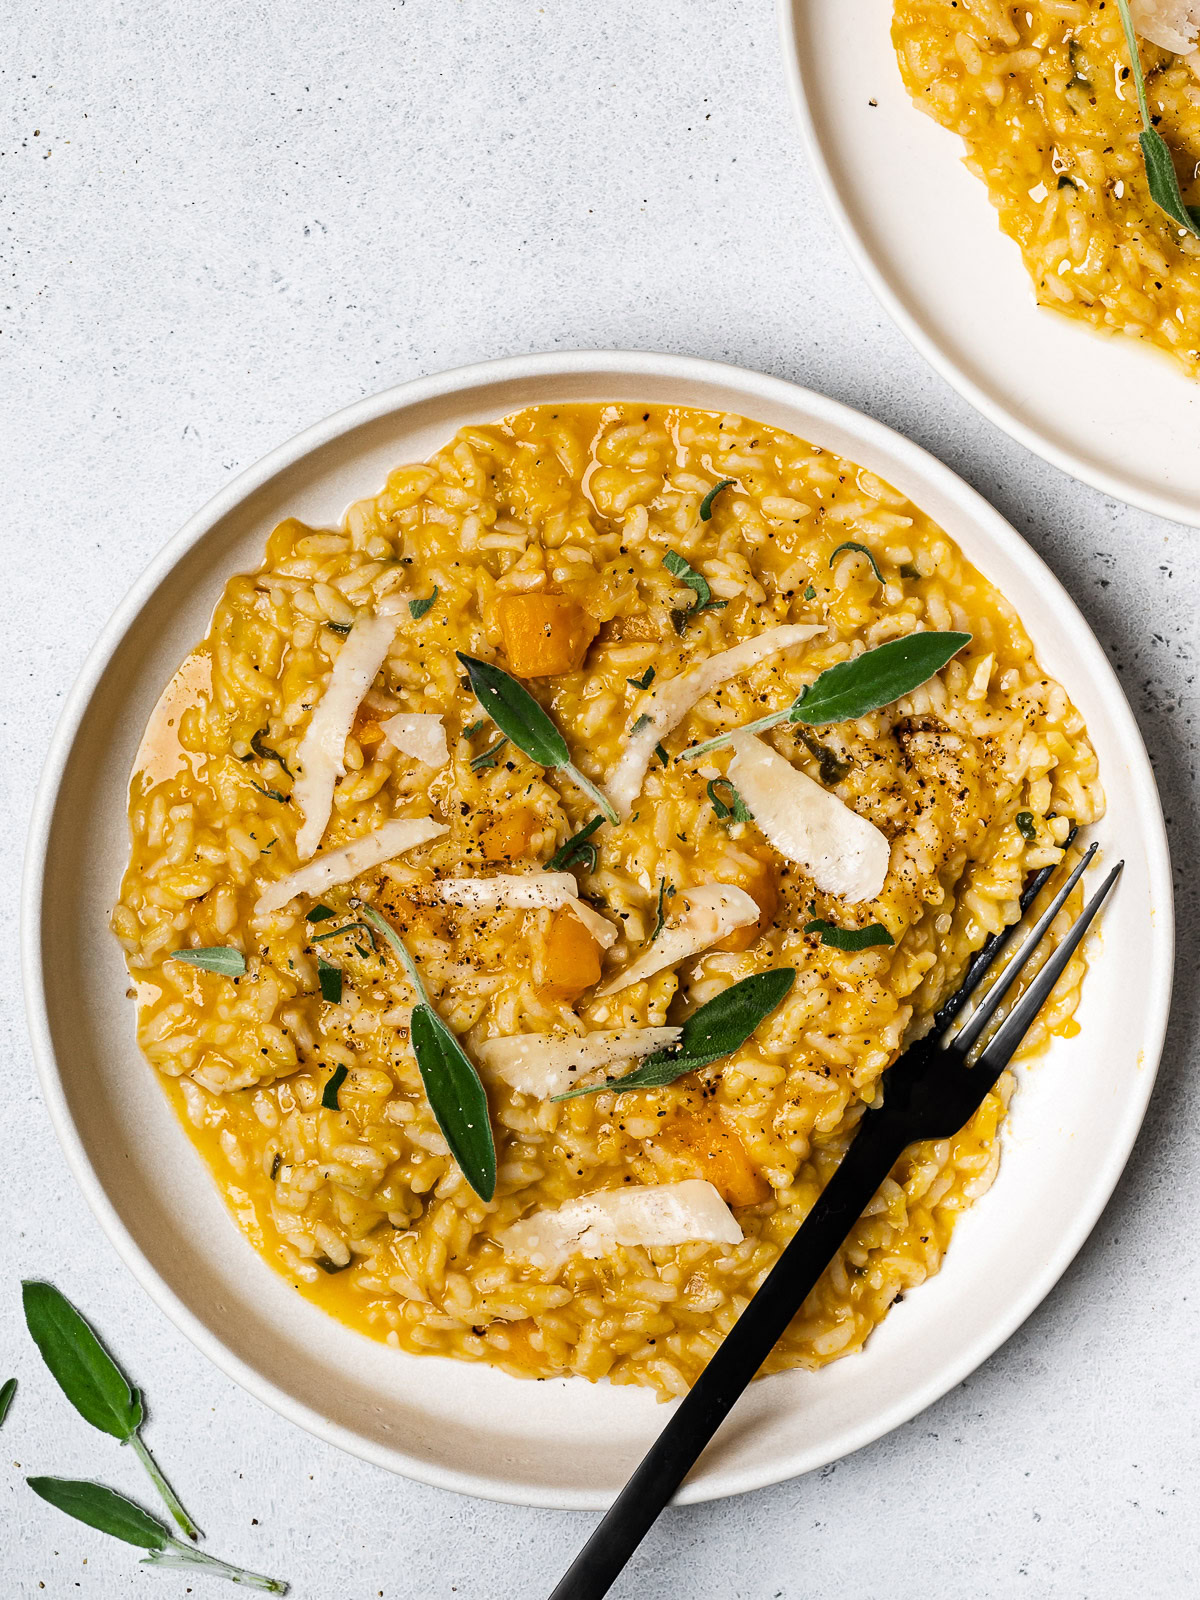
(974, 1026)
(992, 947)
(999, 1050)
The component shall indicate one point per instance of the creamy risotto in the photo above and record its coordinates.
(1043, 96)
(324, 795)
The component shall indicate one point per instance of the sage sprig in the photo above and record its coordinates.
(718, 1028)
(577, 848)
(1156, 155)
(849, 938)
(518, 715)
(6, 1398)
(853, 688)
(230, 963)
(681, 569)
(452, 1086)
(109, 1512)
(92, 1381)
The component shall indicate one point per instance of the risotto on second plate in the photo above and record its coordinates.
(1043, 96)
(327, 813)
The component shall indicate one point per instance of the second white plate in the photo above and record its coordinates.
(922, 230)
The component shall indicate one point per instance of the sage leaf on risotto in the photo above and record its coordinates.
(860, 549)
(706, 504)
(718, 1028)
(849, 938)
(222, 958)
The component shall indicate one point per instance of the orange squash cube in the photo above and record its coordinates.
(702, 1136)
(572, 959)
(758, 881)
(544, 634)
(509, 836)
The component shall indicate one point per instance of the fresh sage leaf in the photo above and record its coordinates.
(487, 759)
(661, 752)
(109, 1512)
(875, 679)
(664, 889)
(418, 608)
(92, 1381)
(830, 766)
(853, 688)
(329, 977)
(265, 753)
(577, 848)
(329, 1094)
(642, 722)
(853, 544)
(518, 715)
(103, 1509)
(644, 682)
(706, 504)
(470, 731)
(230, 963)
(1160, 168)
(78, 1362)
(735, 807)
(452, 1086)
(849, 938)
(1026, 826)
(681, 569)
(718, 1028)
(6, 1398)
(320, 914)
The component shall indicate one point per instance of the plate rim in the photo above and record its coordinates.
(1182, 510)
(717, 1483)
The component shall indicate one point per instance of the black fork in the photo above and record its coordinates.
(930, 1092)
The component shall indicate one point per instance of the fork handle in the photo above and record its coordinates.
(878, 1145)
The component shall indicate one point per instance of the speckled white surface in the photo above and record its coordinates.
(219, 223)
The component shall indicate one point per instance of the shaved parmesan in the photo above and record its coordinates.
(546, 1064)
(713, 911)
(419, 734)
(341, 866)
(648, 1214)
(666, 704)
(321, 754)
(842, 852)
(1173, 24)
(524, 892)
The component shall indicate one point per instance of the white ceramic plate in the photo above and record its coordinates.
(923, 233)
(565, 1442)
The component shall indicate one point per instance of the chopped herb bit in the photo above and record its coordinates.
(265, 753)
(830, 766)
(1064, 182)
(488, 758)
(276, 1163)
(853, 544)
(220, 958)
(849, 938)
(734, 807)
(272, 794)
(339, 627)
(331, 1266)
(320, 914)
(644, 682)
(910, 571)
(642, 722)
(418, 608)
(664, 889)
(576, 848)
(470, 732)
(1026, 826)
(330, 979)
(346, 927)
(706, 504)
(329, 1095)
(810, 593)
(662, 755)
(681, 569)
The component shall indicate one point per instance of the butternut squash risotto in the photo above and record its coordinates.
(1042, 94)
(427, 858)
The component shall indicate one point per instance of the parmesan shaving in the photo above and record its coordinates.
(596, 1224)
(713, 911)
(666, 704)
(520, 891)
(419, 734)
(321, 754)
(843, 853)
(1172, 24)
(545, 1064)
(341, 866)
